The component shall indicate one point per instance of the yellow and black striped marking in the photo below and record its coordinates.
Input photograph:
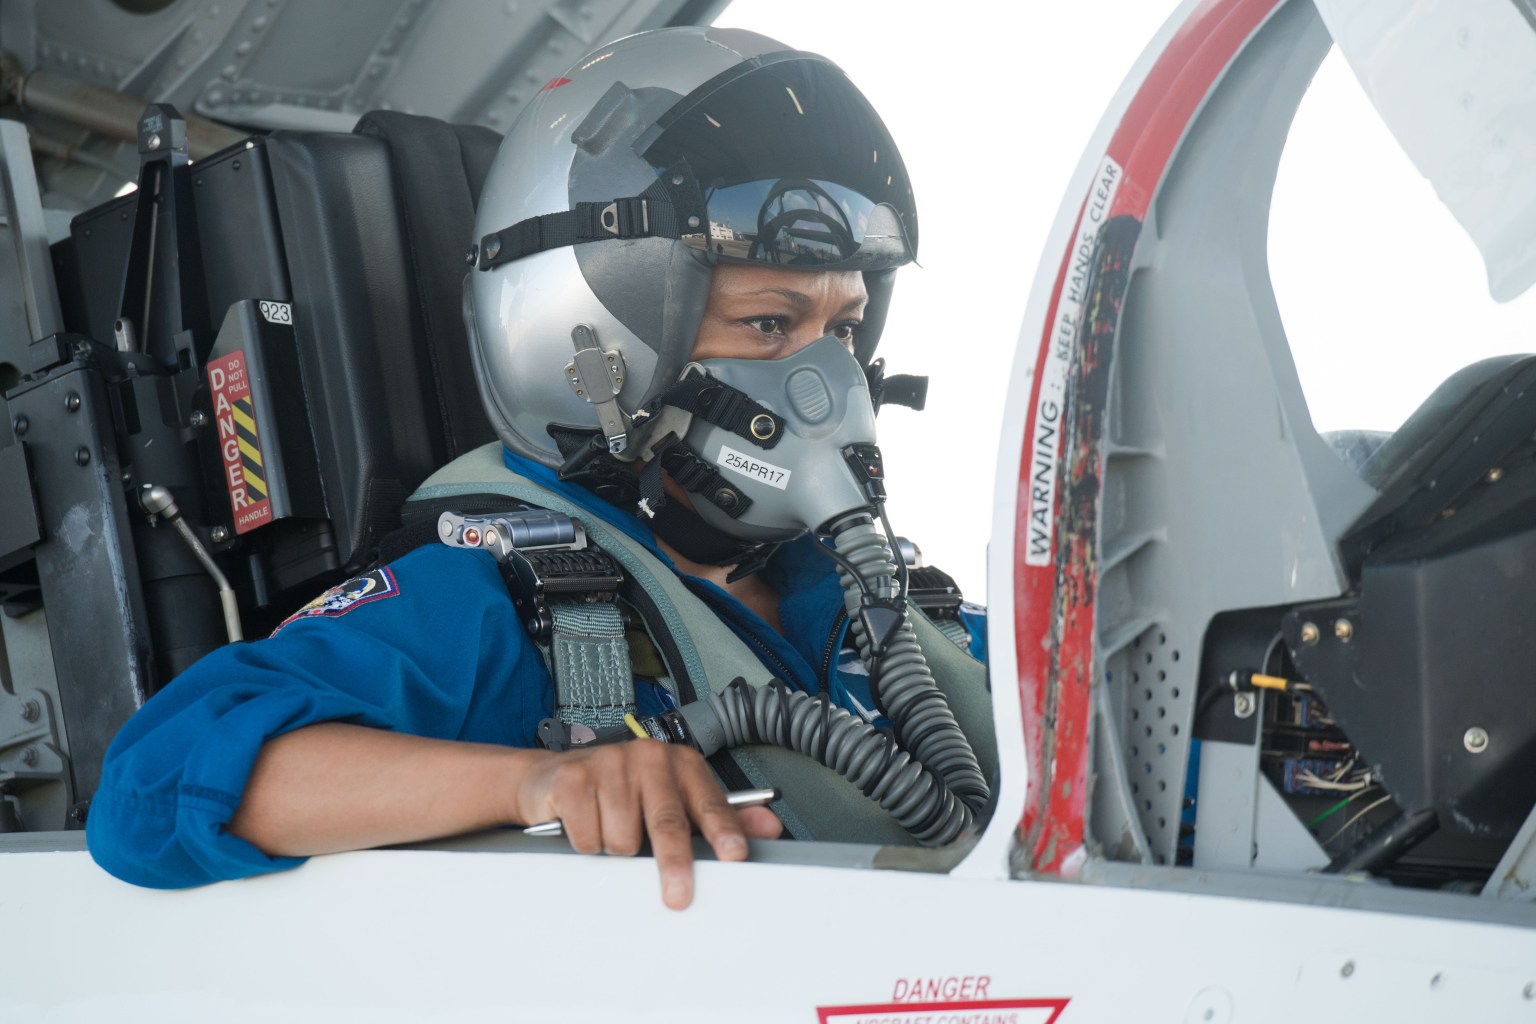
(250, 446)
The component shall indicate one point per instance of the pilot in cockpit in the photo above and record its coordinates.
(673, 577)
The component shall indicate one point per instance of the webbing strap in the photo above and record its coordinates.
(590, 662)
(956, 631)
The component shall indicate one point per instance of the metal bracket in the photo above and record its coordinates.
(597, 377)
(30, 758)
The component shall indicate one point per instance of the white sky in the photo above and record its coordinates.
(1381, 292)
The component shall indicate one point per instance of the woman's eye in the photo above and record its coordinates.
(769, 326)
(845, 333)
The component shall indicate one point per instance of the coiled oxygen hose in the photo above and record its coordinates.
(927, 779)
(902, 684)
(856, 750)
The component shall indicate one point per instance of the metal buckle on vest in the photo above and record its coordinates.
(935, 592)
(590, 575)
(542, 555)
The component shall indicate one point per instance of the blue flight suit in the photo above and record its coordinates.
(429, 645)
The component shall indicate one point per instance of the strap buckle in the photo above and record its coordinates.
(622, 218)
(934, 591)
(542, 555)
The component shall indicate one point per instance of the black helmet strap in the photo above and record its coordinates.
(588, 463)
(657, 212)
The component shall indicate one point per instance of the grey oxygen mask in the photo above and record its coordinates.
(809, 461)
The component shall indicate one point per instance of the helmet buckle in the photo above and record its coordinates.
(625, 218)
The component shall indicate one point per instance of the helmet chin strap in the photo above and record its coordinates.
(588, 463)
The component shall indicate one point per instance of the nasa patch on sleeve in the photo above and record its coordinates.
(342, 598)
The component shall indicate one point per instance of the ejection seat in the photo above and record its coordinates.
(328, 266)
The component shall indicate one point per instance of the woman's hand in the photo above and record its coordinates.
(335, 786)
(610, 798)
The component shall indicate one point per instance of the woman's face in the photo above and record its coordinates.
(768, 313)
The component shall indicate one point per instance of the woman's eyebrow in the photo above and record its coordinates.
(801, 301)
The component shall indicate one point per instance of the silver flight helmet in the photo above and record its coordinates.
(620, 186)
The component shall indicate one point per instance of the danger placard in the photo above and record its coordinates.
(245, 476)
(982, 1011)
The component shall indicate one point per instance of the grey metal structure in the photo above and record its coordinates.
(1182, 422)
(269, 64)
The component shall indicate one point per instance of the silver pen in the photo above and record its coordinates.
(737, 798)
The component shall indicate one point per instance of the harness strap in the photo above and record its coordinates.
(564, 591)
(589, 658)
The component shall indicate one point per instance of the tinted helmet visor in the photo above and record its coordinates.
(795, 168)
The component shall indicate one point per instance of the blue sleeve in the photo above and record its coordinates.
(430, 646)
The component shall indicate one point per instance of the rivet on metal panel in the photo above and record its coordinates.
(1243, 705)
(82, 456)
(1495, 475)
(1309, 633)
(1348, 969)
(219, 534)
(1344, 630)
(72, 402)
(29, 757)
(1476, 739)
(199, 418)
(21, 425)
(30, 711)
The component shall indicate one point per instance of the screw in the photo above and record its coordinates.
(199, 418)
(1309, 633)
(1242, 705)
(445, 528)
(29, 757)
(82, 456)
(31, 711)
(1475, 740)
(570, 371)
(1344, 630)
(1347, 969)
(492, 538)
(220, 534)
(72, 402)
(1495, 475)
(21, 425)
(154, 142)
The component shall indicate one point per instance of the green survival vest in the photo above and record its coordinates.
(818, 803)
